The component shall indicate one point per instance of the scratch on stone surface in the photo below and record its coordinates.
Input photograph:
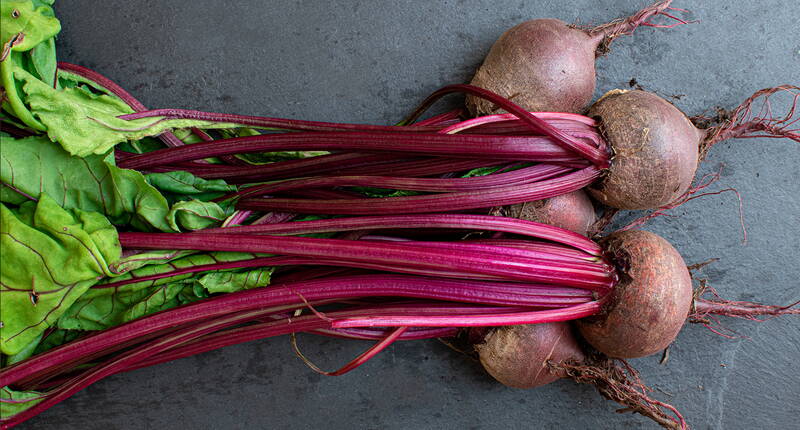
(717, 397)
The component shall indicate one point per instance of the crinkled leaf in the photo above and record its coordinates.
(195, 215)
(136, 260)
(271, 157)
(13, 402)
(165, 263)
(43, 59)
(96, 311)
(57, 337)
(34, 19)
(25, 352)
(34, 165)
(85, 123)
(180, 185)
(50, 257)
(103, 307)
(228, 282)
(384, 192)
(67, 79)
(30, 24)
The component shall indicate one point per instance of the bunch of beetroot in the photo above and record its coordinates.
(445, 227)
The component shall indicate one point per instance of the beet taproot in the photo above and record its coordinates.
(547, 65)
(647, 308)
(572, 211)
(518, 355)
(656, 148)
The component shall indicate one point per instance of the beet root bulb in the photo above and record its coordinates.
(647, 308)
(519, 356)
(547, 65)
(655, 150)
(541, 65)
(572, 211)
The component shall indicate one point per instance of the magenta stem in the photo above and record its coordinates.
(531, 317)
(429, 221)
(390, 254)
(598, 156)
(521, 148)
(167, 137)
(431, 203)
(521, 176)
(274, 299)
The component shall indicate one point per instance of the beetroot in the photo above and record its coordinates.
(517, 356)
(573, 211)
(656, 148)
(532, 355)
(548, 65)
(648, 306)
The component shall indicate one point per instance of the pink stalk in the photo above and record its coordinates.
(483, 320)
(521, 148)
(271, 123)
(432, 203)
(598, 156)
(443, 120)
(361, 359)
(391, 166)
(283, 297)
(525, 175)
(167, 137)
(441, 221)
(101, 371)
(389, 254)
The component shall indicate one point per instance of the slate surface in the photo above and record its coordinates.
(372, 61)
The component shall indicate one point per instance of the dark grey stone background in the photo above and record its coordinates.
(372, 61)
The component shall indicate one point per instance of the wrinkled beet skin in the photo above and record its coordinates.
(649, 304)
(655, 150)
(573, 211)
(517, 356)
(542, 65)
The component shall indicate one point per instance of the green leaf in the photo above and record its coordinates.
(103, 307)
(35, 20)
(141, 146)
(97, 311)
(184, 184)
(86, 123)
(145, 258)
(33, 165)
(228, 282)
(384, 192)
(28, 24)
(25, 352)
(271, 157)
(57, 337)
(195, 215)
(13, 402)
(43, 59)
(481, 171)
(51, 256)
(68, 79)
(166, 264)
